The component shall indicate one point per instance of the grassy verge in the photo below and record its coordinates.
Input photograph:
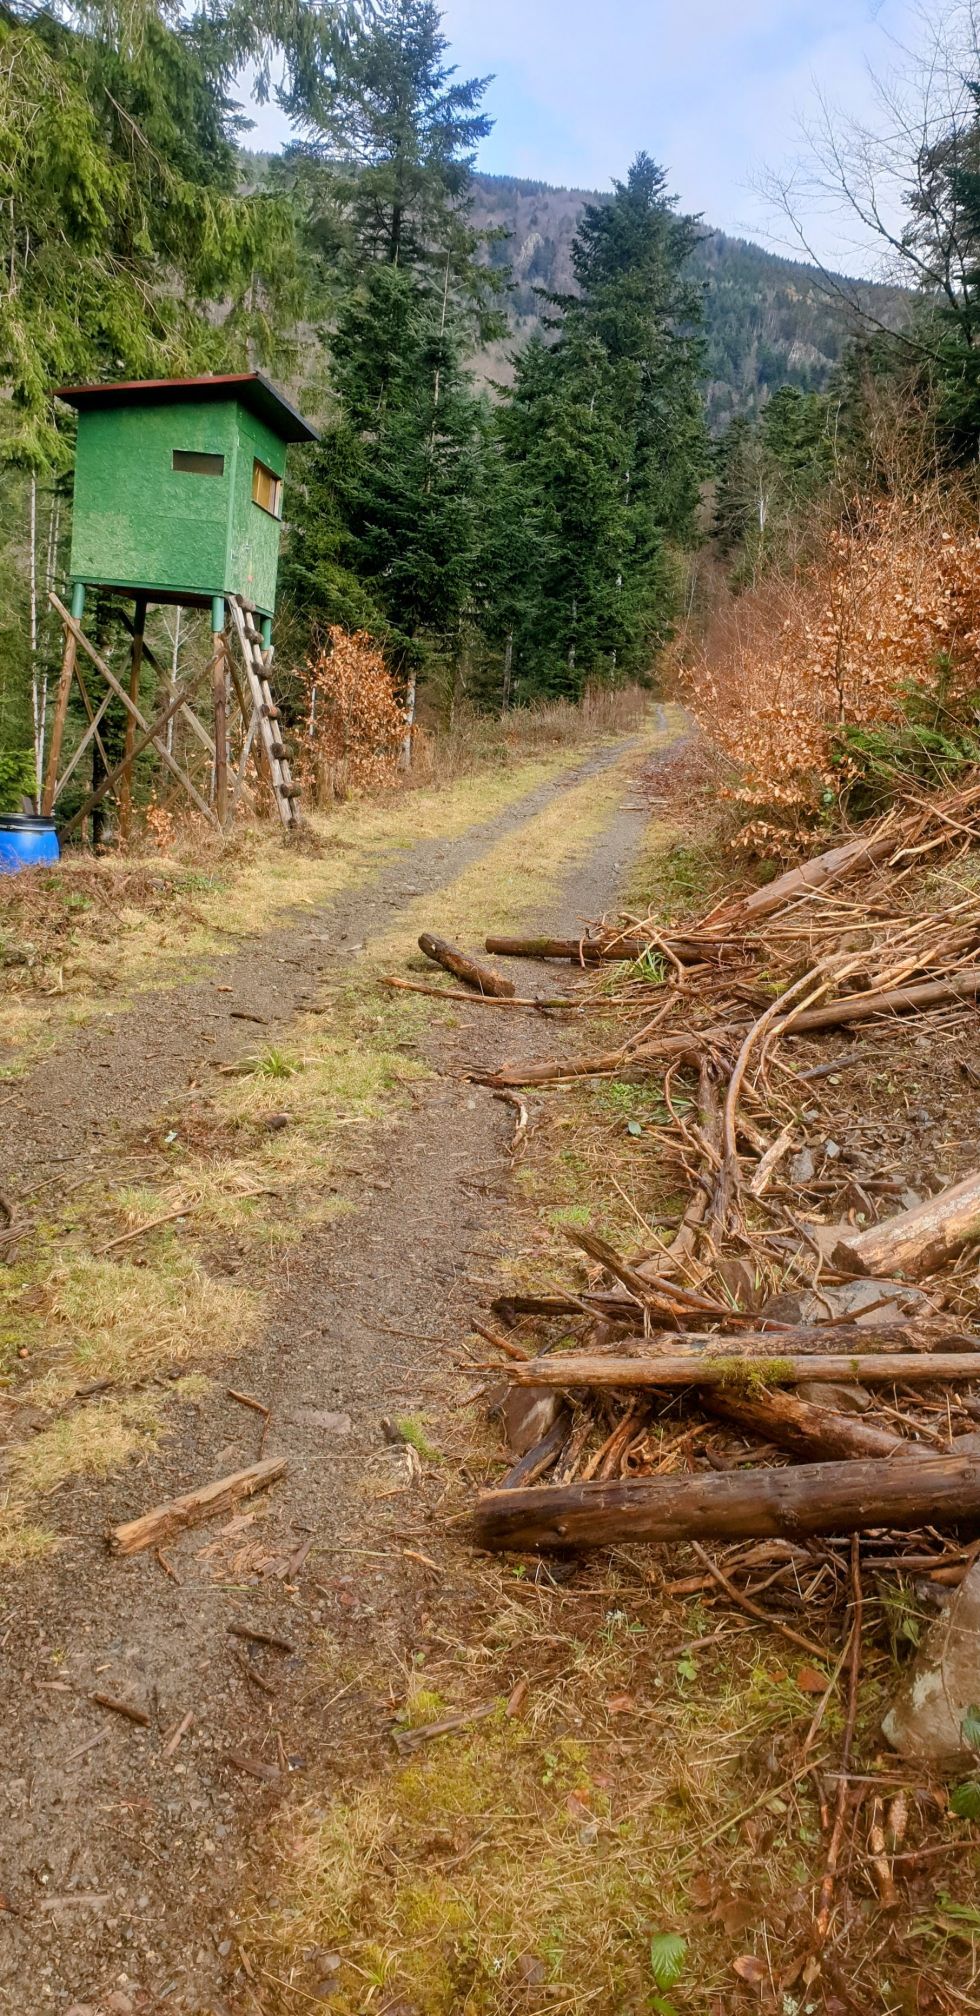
(133, 1283)
(628, 1811)
(606, 1838)
(83, 938)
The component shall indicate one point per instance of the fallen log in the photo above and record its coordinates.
(684, 1049)
(156, 1526)
(906, 1491)
(917, 1241)
(833, 866)
(543, 1002)
(590, 951)
(483, 978)
(815, 1434)
(893, 1001)
(576, 949)
(917, 1333)
(580, 1368)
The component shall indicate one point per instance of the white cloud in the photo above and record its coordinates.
(715, 89)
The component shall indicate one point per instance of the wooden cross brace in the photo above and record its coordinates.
(150, 730)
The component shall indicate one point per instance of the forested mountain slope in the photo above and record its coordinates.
(769, 321)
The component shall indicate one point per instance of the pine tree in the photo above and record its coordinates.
(604, 434)
(387, 522)
(737, 500)
(120, 217)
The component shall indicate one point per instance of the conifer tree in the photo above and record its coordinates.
(605, 429)
(387, 522)
(120, 216)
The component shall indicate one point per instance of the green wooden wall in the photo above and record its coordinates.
(253, 534)
(138, 523)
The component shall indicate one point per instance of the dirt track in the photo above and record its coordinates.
(118, 1866)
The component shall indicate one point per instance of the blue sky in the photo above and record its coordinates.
(714, 89)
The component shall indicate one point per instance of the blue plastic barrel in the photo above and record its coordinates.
(25, 840)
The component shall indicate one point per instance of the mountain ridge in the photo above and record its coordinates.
(769, 320)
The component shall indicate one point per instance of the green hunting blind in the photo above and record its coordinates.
(178, 499)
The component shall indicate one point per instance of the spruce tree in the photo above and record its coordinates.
(604, 433)
(386, 526)
(121, 219)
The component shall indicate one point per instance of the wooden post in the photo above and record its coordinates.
(219, 677)
(508, 670)
(61, 700)
(135, 668)
(141, 721)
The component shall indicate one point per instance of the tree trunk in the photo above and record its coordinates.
(917, 1241)
(126, 776)
(405, 757)
(35, 672)
(483, 978)
(570, 1369)
(906, 1491)
(834, 866)
(508, 671)
(896, 1001)
(815, 1434)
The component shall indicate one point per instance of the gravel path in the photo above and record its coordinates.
(120, 1866)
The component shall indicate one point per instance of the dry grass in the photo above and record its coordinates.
(89, 1319)
(531, 1860)
(516, 877)
(94, 1441)
(81, 937)
(21, 1543)
(475, 741)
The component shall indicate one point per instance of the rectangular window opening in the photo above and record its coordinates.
(266, 489)
(189, 462)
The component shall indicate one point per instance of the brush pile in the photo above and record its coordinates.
(817, 1300)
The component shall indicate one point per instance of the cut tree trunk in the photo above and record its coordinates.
(483, 978)
(815, 1434)
(906, 1491)
(195, 1506)
(589, 951)
(579, 1368)
(609, 1062)
(894, 1001)
(834, 866)
(916, 1242)
(919, 1333)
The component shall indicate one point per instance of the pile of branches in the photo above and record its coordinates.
(752, 1302)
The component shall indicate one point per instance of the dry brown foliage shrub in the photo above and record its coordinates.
(354, 723)
(893, 601)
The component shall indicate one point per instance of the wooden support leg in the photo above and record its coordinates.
(219, 674)
(61, 701)
(126, 775)
(151, 731)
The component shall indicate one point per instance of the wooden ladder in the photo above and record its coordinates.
(265, 712)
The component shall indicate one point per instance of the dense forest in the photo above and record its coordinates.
(512, 534)
(767, 321)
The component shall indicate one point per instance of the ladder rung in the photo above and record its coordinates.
(270, 712)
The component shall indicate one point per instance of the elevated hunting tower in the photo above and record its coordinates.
(178, 499)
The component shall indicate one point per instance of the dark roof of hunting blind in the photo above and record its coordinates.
(249, 388)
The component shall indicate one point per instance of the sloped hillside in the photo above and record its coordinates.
(769, 321)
